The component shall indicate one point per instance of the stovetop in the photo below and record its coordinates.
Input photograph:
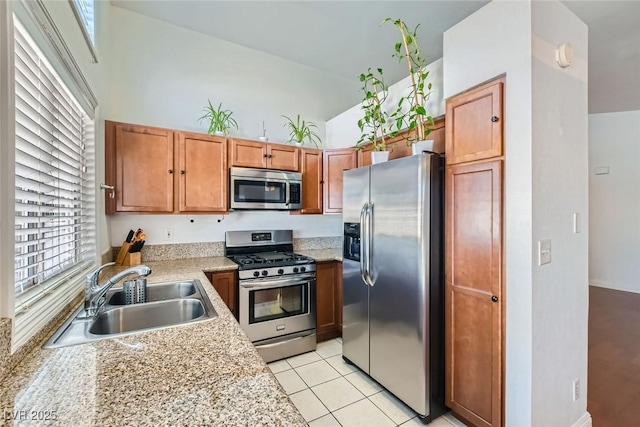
(269, 259)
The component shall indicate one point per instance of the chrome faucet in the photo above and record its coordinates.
(94, 292)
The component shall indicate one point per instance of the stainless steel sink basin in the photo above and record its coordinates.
(175, 304)
(157, 292)
(146, 316)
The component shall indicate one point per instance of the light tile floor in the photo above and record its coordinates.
(329, 392)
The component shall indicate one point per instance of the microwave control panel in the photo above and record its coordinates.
(295, 194)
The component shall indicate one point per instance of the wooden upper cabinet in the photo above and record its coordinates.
(474, 297)
(334, 164)
(202, 173)
(364, 156)
(283, 157)
(144, 168)
(312, 181)
(255, 154)
(247, 154)
(474, 124)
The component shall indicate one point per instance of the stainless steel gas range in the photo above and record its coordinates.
(277, 294)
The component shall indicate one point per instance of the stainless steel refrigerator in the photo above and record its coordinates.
(393, 287)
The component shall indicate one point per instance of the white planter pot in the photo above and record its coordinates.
(379, 157)
(420, 146)
(298, 143)
(219, 133)
(263, 138)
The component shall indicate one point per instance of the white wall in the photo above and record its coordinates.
(206, 228)
(614, 201)
(343, 131)
(496, 40)
(560, 189)
(162, 75)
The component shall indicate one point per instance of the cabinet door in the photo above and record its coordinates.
(474, 298)
(364, 156)
(144, 169)
(283, 157)
(474, 124)
(334, 163)
(328, 300)
(311, 181)
(203, 176)
(247, 154)
(226, 286)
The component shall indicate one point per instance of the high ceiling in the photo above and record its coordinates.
(344, 37)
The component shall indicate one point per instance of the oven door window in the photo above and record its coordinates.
(259, 191)
(278, 303)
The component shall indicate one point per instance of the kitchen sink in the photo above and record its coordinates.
(168, 305)
(146, 316)
(157, 292)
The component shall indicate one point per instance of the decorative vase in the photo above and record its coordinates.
(379, 157)
(419, 146)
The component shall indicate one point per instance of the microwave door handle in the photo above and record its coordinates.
(363, 256)
(288, 193)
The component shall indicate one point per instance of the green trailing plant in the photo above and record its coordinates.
(415, 115)
(219, 120)
(301, 131)
(374, 125)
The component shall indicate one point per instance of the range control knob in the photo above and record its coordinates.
(256, 274)
(303, 269)
(265, 272)
(280, 271)
(295, 269)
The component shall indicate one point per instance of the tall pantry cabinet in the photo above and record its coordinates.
(474, 295)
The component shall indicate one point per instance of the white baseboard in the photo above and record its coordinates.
(583, 421)
(605, 285)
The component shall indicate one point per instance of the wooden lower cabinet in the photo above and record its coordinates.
(474, 295)
(335, 162)
(328, 300)
(226, 285)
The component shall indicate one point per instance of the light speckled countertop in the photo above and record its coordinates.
(205, 374)
(333, 254)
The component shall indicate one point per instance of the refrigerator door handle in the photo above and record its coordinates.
(369, 244)
(363, 234)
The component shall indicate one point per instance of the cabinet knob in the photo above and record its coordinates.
(494, 298)
(170, 171)
(321, 182)
(270, 156)
(183, 172)
(265, 156)
(494, 119)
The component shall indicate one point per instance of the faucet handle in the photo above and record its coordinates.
(92, 278)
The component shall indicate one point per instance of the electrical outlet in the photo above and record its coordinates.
(544, 251)
(168, 234)
(576, 390)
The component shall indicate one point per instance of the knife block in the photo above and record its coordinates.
(131, 259)
(124, 250)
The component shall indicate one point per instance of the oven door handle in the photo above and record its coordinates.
(270, 284)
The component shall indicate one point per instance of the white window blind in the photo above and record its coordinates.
(85, 10)
(54, 179)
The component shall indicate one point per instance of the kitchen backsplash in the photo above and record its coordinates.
(213, 249)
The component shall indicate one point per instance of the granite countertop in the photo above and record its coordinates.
(333, 254)
(207, 373)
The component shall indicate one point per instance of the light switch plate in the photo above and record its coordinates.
(544, 251)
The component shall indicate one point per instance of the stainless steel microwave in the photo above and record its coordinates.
(265, 189)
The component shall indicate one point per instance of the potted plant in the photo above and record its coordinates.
(415, 117)
(301, 131)
(375, 123)
(220, 121)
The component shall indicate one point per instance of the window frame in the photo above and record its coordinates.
(88, 38)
